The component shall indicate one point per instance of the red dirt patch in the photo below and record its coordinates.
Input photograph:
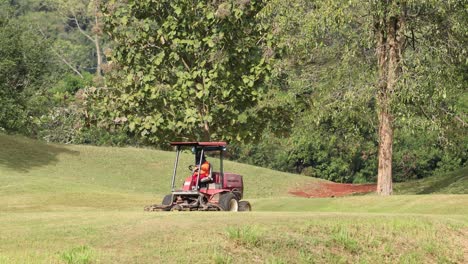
(333, 190)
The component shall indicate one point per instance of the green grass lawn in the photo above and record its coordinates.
(455, 182)
(39, 176)
(120, 236)
(83, 204)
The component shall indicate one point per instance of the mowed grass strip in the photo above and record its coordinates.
(204, 237)
(443, 204)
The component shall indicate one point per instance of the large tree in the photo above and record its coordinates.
(400, 59)
(187, 70)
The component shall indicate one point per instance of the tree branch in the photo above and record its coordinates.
(62, 57)
(454, 116)
(185, 64)
(80, 29)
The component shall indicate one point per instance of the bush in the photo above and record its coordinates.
(70, 84)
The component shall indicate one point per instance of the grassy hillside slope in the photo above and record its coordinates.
(35, 175)
(455, 182)
(83, 204)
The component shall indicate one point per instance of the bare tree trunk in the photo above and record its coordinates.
(98, 55)
(97, 31)
(389, 31)
(384, 181)
(62, 57)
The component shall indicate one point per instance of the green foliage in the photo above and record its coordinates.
(316, 155)
(102, 137)
(268, 152)
(74, 27)
(344, 156)
(24, 72)
(185, 70)
(70, 83)
(67, 119)
(329, 71)
(61, 124)
(417, 156)
(40, 95)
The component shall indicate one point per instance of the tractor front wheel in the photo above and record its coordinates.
(167, 200)
(244, 206)
(228, 202)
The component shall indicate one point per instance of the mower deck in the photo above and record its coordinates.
(181, 207)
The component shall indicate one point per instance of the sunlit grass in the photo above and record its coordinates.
(128, 236)
(83, 204)
(32, 168)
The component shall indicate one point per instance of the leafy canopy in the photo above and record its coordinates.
(330, 64)
(187, 69)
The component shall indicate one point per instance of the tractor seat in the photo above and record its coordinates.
(213, 182)
(208, 179)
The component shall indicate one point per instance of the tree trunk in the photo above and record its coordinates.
(98, 55)
(389, 32)
(96, 40)
(96, 31)
(384, 181)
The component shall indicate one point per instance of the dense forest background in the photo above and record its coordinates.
(289, 84)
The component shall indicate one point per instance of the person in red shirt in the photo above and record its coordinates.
(204, 171)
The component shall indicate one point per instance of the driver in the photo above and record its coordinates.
(204, 171)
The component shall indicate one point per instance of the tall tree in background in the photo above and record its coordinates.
(187, 69)
(401, 54)
(405, 30)
(389, 29)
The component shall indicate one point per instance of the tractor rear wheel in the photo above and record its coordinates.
(244, 206)
(228, 202)
(167, 200)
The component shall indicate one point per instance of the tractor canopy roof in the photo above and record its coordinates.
(200, 144)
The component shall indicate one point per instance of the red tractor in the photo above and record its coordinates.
(212, 191)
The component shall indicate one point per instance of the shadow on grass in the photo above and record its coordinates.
(22, 154)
